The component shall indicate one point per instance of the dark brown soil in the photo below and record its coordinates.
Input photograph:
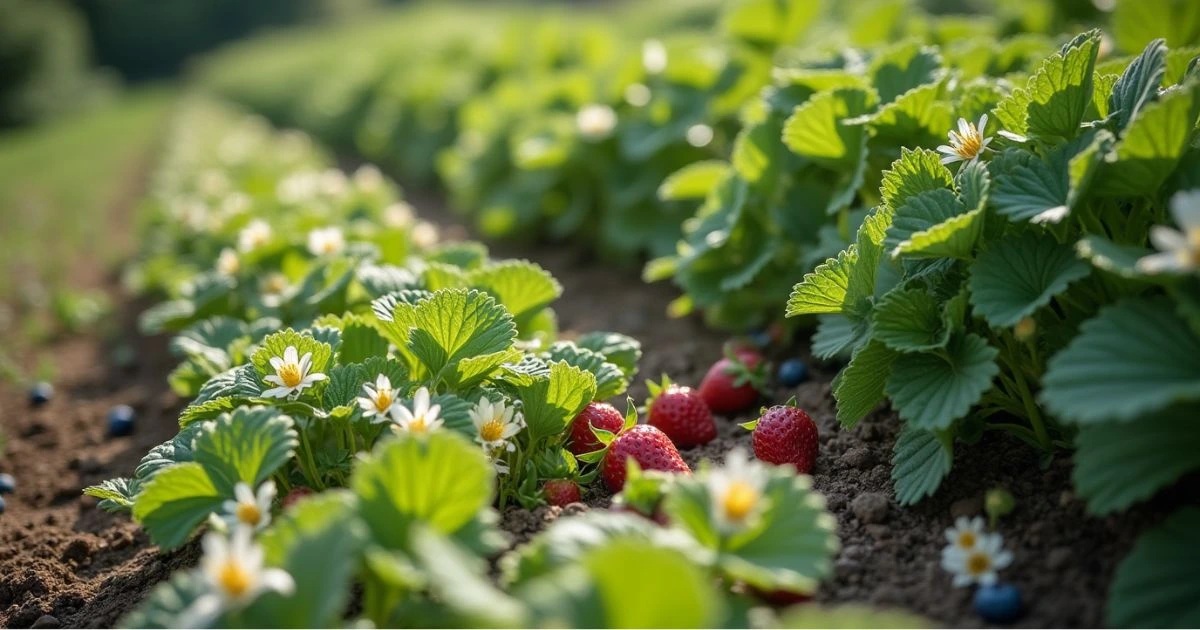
(60, 556)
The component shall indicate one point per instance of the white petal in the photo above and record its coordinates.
(963, 127)
(1015, 137)
(278, 392)
(982, 123)
(1158, 263)
(276, 363)
(274, 380)
(383, 382)
(266, 494)
(962, 580)
(987, 579)
(278, 580)
(1167, 239)
(290, 355)
(1002, 559)
(305, 362)
(1185, 207)
(947, 149)
(313, 378)
(201, 613)
(950, 159)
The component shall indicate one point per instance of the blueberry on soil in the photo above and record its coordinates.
(40, 393)
(792, 372)
(7, 483)
(999, 603)
(120, 421)
(760, 338)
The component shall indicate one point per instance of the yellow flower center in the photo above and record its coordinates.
(966, 540)
(289, 373)
(739, 500)
(978, 563)
(328, 247)
(418, 425)
(248, 513)
(1193, 239)
(234, 579)
(969, 144)
(492, 430)
(383, 400)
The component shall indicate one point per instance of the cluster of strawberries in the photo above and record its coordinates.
(682, 417)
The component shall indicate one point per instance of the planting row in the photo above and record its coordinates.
(354, 427)
(1008, 223)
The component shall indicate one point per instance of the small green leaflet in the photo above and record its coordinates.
(1157, 585)
(817, 130)
(920, 461)
(552, 401)
(1028, 188)
(1019, 274)
(917, 171)
(932, 390)
(1139, 83)
(910, 320)
(694, 181)
(522, 287)
(1053, 102)
(245, 446)
(859, 387)
(1117, 465)
(1136, 357)
(1154, 142)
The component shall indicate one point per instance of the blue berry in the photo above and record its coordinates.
(120, 421)
(761, 338)
(999, 603)
(7, 483)
(792, 372)
(40, 393)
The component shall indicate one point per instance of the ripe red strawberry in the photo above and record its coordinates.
(646, 445)
(731, 384)
(786, 435)
(561, 492)
(296, 493)
(680, 413)
(596, 414)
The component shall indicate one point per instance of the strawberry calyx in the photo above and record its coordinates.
(743, 372)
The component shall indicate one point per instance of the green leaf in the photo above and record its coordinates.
(116, 495)
(790, 546)
(917, 171)
(817, 129)
(1152, 146)
(920, 214)
(769, 22)
(566, 540)
(553, 400)
(1135, 23)
(859, 387)
(931, 391)
(1113, 257)
(903, 67)
(910, 320)
(1139, 83)
(1136, 357)
(520, 286)
(848, 616)
(610, 381)
(756, 151)
(836, 335)
(167, 602)
(825, 289)
(1019, 274)
(953, 238)
(441, 480)
(694, 181)
(360, 339)
(174, 502)
(1156, 585)
(247, 445)
(1028, 188)
(1058, 94)
(920, 461)
(1118, 464)
(627, 583)
(457, 334)
(460, 583)
(622, 351)
(317, 541)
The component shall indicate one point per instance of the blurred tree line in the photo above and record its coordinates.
(60, 55)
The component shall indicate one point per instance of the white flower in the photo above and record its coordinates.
(1179, 250)
(273, 284)
(736, 491)
(495, 425)
(966, 144)
(254, 235)
(699, 135)
(249, 509)
(966, 533)
(422, 418)
(333, 183)
(378, 400)
(654, 56)
(398, 215)
(637, 94)
(596, 121)
(227, 262)
(291, 374)
(235, 204)
(368, 178)
(979, 564)
(233, 575)
(424, 235)
(326, 240)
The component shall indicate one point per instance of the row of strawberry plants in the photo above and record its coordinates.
(1013, 291)
(397, 418)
